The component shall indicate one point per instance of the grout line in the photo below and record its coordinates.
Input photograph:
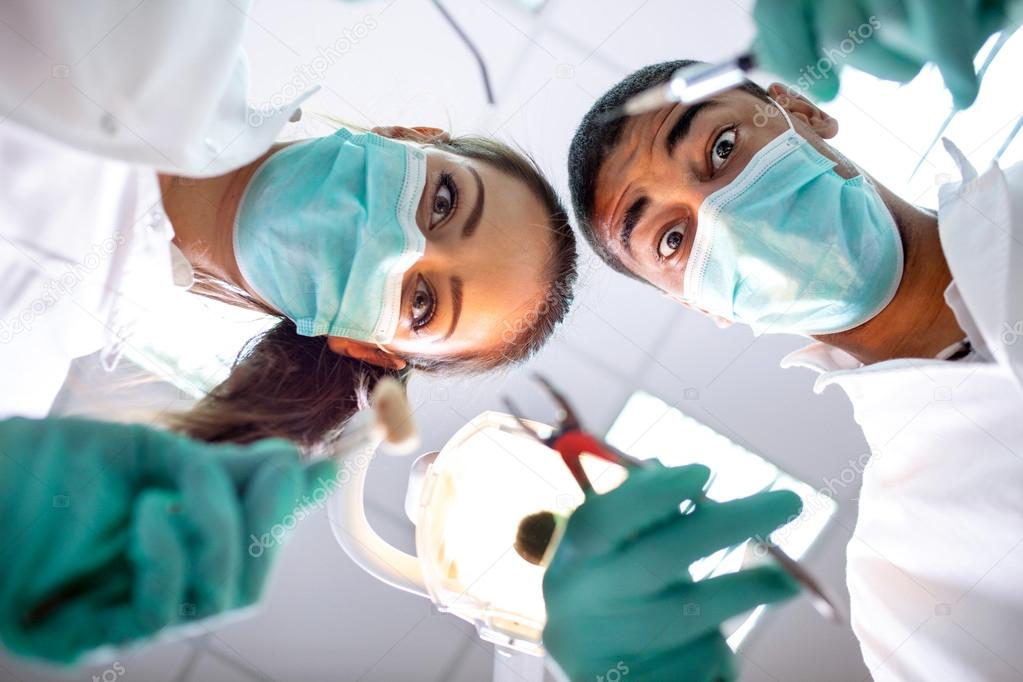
(197, 647)
(387, 511)
(619, 69)
(457, 659)
(236, 664)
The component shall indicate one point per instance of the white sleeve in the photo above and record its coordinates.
(162, 83)
(981, 227)
(1011, 337)
(60, 216)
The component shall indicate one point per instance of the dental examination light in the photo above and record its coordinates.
(466, 502)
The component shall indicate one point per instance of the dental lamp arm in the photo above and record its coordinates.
(353, 532)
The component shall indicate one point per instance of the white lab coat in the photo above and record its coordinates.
(95, 97)
(935, 565)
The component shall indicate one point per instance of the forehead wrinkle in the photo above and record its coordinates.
(663, 122)
(629, 148)
(625, 154)
(606, 219)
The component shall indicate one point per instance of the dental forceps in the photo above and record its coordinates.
(570, 440)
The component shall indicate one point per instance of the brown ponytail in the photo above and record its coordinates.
(283, 385)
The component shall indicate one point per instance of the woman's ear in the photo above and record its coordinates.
(825, 126)
(424, 134)
(366, 352)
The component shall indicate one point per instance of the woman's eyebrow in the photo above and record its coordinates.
(456, 306)
(682, 126)
(473, 221)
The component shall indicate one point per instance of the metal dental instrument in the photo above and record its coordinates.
(1005, 145)
(1002, 39)
(688, 85)
(570, 440)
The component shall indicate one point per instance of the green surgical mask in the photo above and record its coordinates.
(791, 246)
(326, 231)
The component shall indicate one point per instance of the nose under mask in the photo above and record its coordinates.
(326, 230)
(791, 246)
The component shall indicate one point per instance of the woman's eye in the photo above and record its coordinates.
(723, 146)
(444, 199)
(422, 304)
(671, 241)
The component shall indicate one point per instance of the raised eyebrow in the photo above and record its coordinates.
(684, 124)
(633, 214)
(473, 221)
(456, 306)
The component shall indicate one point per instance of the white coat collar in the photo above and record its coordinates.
(158, 225)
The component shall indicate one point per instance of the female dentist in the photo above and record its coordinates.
(120, 185)
(376, 250)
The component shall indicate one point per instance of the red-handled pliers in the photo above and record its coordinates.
(570, 440)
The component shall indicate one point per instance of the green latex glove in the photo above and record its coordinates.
(806, 42)
(115, 531)
(618, 591)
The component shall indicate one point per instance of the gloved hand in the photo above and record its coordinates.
(618, 591)
(116, 531)
(806, 42)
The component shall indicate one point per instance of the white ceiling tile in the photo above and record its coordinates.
(361, 55)
(642, 32)
(212, 666)
(428, 651)
(476, 663)
(324, 618)
(155, 662)
(739, 390)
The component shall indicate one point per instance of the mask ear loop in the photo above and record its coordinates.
(841, 157)
(788, 119)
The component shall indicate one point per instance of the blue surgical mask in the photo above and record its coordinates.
(326, 230)
(791, 246)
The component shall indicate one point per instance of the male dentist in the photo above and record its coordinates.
(738, 207)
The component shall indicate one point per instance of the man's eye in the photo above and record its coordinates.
(423, 304)
(723, 146)
(671, 241)
(445, 198)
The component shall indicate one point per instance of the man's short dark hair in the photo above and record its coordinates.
(594, 139)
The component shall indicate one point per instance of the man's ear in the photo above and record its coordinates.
(366, 352)
(798, 106)
(423, 134)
